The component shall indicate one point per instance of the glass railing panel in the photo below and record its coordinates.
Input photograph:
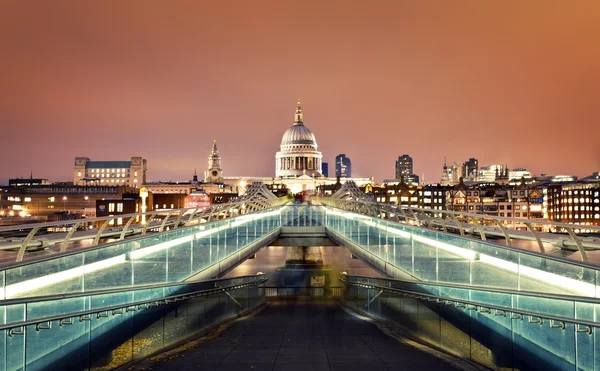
(111, 341)
(115, 338)
(46, 278)
(494, 267)
(150, 264)
(62, 346)
(109, 267)
(43, 309)
(424, 254)
(156, 258)
(504, 340)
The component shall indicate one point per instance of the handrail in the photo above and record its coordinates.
(92, 248)
(578, 243)
(142, 304)
(479, 306)
(462, 213)
(34, 299)
(243, 206)
(556, 258)
(587, 299)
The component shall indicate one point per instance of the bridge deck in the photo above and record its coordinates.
(300, 335)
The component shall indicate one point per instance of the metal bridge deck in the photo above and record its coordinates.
(301, 335)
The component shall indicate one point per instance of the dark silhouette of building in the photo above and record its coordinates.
(404, 166)
(470, 169)
(343, 166)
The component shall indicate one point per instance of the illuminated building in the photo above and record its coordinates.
(404, 166)
(130, 173)
(470, 169)
(298, 153)
(576, 203)
(214, 173)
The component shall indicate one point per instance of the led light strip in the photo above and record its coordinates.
(568, 284)
(20, 288)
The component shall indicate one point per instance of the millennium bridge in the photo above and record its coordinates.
(333, 283)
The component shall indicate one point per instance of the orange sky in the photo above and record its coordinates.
(511, 82)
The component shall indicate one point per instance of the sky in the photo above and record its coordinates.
(508, 82)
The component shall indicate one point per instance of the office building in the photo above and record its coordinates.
(404, 166)
(343, 166)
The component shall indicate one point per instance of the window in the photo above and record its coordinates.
(111, 207)
(522, 193)
(508, 207)
(518, 215)
(509, 215)
(120, 207)
(501, 214)
(502, 207)
(517, 207)
(475, 193)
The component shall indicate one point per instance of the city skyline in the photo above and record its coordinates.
(512, 84)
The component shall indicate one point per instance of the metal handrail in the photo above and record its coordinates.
(587, 299)
(92, 248)
(142, 304)
(237, 208)
(35, 299)
(462, 213)
(65, 252)
(384, 211)
(479, 306)
(583, 264)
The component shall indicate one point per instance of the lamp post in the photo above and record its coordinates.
(64, 203)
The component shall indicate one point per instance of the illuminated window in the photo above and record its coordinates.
(111, 207)
(120, 207)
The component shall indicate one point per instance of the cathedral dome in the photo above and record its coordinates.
(298, 155)
(298, 134)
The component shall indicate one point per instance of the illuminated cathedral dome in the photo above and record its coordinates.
(298, 153)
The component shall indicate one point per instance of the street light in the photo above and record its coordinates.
(64, 203)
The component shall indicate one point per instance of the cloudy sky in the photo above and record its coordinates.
(510, 82)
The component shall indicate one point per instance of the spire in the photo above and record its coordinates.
(298, 115)
(214, 149)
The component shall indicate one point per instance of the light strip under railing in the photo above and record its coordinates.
(569, 284)
(54, 278)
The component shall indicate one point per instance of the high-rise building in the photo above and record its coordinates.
(470, 169)
(110, 173)
(404, 166)
(325, 169)
(343, 166)
(214, 172)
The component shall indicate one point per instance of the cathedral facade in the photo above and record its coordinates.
(298, 153)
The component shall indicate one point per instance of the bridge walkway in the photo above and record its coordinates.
(301, 335)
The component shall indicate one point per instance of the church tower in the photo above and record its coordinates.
(214, 172)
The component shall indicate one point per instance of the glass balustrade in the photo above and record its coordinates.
(104, 340)
(437, 256)
(506, 338)
(157, 258)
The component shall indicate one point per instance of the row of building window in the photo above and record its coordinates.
(109, 170)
